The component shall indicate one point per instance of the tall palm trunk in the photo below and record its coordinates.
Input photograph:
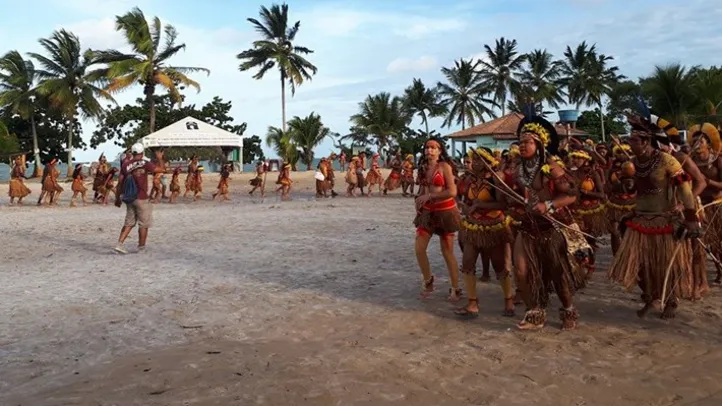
(36, 148)
(426, 121)
(283, 101)
(70, 148)
(149, 91)
(601, 116)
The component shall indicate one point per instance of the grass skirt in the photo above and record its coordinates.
(619, 207)
(645, 253)
(592, 219)
(439, 222)
(374, 178)
(18, 188)
(547, 255)
(485, 234)
(78, 186)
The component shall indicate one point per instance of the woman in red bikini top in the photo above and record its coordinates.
(436, 213)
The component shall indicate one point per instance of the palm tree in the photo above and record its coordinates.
(671, 92)
(588, 77)
(17, 92)
(307, 133)
(498, 72)
(383, 117)
(540, 79)
(708, 88)
(282, 143)
(277, 49)
(66, 81)
(147, 65)
(418, 99)
(463, 95)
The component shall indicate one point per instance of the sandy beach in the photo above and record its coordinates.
(307, 303)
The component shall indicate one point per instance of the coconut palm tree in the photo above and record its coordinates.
(17, 92)
(588, 77)
(282, 143)
(541, 79)
(464, 95)
(148, 63)
(418, 99)
(68, 83)
(277, 49)
(498, 72)
(671, 93)
(383, 117)
(708, 88)
(307, 133)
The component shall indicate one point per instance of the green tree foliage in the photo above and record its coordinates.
(252, 149)
(51, 128)
(590, 122)
(126, 125)
(8, 142)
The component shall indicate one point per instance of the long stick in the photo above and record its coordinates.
(669, 267)
(263, 185)
(521, 200)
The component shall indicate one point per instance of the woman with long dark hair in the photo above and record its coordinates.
(437, 213)
(78, 186)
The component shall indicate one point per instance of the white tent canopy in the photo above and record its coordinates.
(191, 132)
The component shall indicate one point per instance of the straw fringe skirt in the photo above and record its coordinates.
(644, 255)
(593, 220)
(618, 208)
(439, 222)
(547, 255)
(18, 189)
(485, 236)
(78, 186)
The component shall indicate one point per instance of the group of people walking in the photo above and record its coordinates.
(536, 212)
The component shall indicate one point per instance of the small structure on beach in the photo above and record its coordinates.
(499, 133)
(192, 132)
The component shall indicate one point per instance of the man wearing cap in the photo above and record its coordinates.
(139, 211)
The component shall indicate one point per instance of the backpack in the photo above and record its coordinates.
(130, 190)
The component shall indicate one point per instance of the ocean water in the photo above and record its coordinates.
(5, 169)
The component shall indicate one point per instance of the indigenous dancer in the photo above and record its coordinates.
(78, 186)
(360, 167)
(284, 179)
(342, 161)
(407, 176)
(108, 186)
(331, 175)
(485, 229)
(191, 178)
(437, 213)
(321, 170)
(396, 175)
(51, 188)
(707, 147)
(588, 210)
(175, 188)
(374, 176)
(17, 185)
(351, 178)
(100, 174)
(223, 183)
(650, 255)
(671, 144)
(157, 189)
(620, 201)
(545, 251)
(257, 182)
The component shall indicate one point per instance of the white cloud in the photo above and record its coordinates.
(419, 64)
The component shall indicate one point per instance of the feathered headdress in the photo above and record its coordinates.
(708, 130)
(542, 130)
(486, 154)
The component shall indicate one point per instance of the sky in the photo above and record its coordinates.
(366, 47)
